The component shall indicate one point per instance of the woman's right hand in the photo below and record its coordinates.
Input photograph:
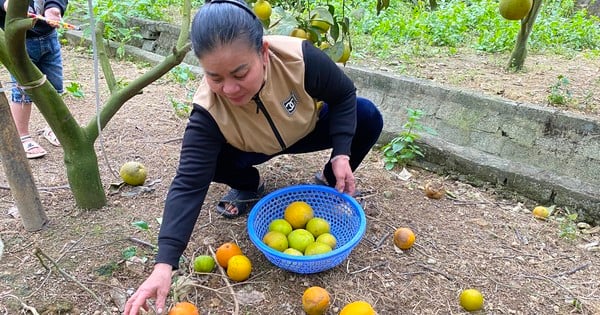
(156, 286)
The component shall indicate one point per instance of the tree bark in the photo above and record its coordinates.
(517, 58)
(18, 172)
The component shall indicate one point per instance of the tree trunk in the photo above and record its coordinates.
(517, 58)
(433, 5)
(18, 172)
(84, 176)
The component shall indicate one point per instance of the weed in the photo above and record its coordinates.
(559, 92)
(74, 89)
(182, 109)
(568, 225)
(403, 148)
(183, 75)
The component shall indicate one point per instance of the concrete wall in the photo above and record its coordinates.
(544, 154)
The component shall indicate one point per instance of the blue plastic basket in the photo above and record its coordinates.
(345, 216)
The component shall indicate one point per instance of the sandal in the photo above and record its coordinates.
(242, 200)
(30, 146)
(50, 136)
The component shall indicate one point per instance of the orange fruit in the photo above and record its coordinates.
(184, 308)
(540, 212)
(133, 173)
(317, 226)
(358, 308)
(293, 252)
(280, 225)
(328, 239)
(299, 239)
(321, 25)
(404, 238)
(262, 9)
(300, 33)
(239, 268)
(316, 248)
(225, 252)
(276, 240)
(298, 213)
(324, 45)
(204, 263)
(514, 9)
(346, 55)
(471, 300)
(315, 300)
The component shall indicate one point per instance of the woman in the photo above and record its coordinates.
(259, 98)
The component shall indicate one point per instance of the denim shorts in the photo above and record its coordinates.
(45, 53)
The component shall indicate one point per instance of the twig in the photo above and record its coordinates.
(480, 202)
(64, 252)
(368, 267)
(540, 277)
(436, 271)
(172, 140)
(136, 240)
(38, 253)
(41, 188)
(569, 272)
(385, 236)
(236, 305)
(25, 306)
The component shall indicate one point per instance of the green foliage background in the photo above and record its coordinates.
(407, 29)
(404, 29)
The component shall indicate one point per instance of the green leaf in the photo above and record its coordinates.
(129, 252)
(336, 51)
(334, 32)
(322, 14)
(142, 225)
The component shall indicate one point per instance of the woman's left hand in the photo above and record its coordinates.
(53, 14)
(343, 175)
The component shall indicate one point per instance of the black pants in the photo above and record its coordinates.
(235, 168)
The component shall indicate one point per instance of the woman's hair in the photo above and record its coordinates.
(222, 22)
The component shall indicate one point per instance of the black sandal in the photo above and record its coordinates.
(242, 200)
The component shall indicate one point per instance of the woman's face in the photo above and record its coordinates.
(235, 71)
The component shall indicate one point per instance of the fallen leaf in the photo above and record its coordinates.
(593, 230)
(13, 212)
(118, 294)
(434, 191)
(404, 174)
(249, 298)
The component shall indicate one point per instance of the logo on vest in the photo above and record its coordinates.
(290, 103)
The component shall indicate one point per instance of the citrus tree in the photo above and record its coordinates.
(526, 11)
(326, 26)
(78, 140)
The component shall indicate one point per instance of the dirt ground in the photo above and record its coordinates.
(478, 236)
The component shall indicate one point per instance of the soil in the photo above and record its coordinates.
(476, 236)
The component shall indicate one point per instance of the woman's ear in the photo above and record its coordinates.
(265, 52)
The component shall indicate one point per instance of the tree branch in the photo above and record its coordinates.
(109, 75)
(39, 254)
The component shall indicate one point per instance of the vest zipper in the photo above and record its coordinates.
(260, 106)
